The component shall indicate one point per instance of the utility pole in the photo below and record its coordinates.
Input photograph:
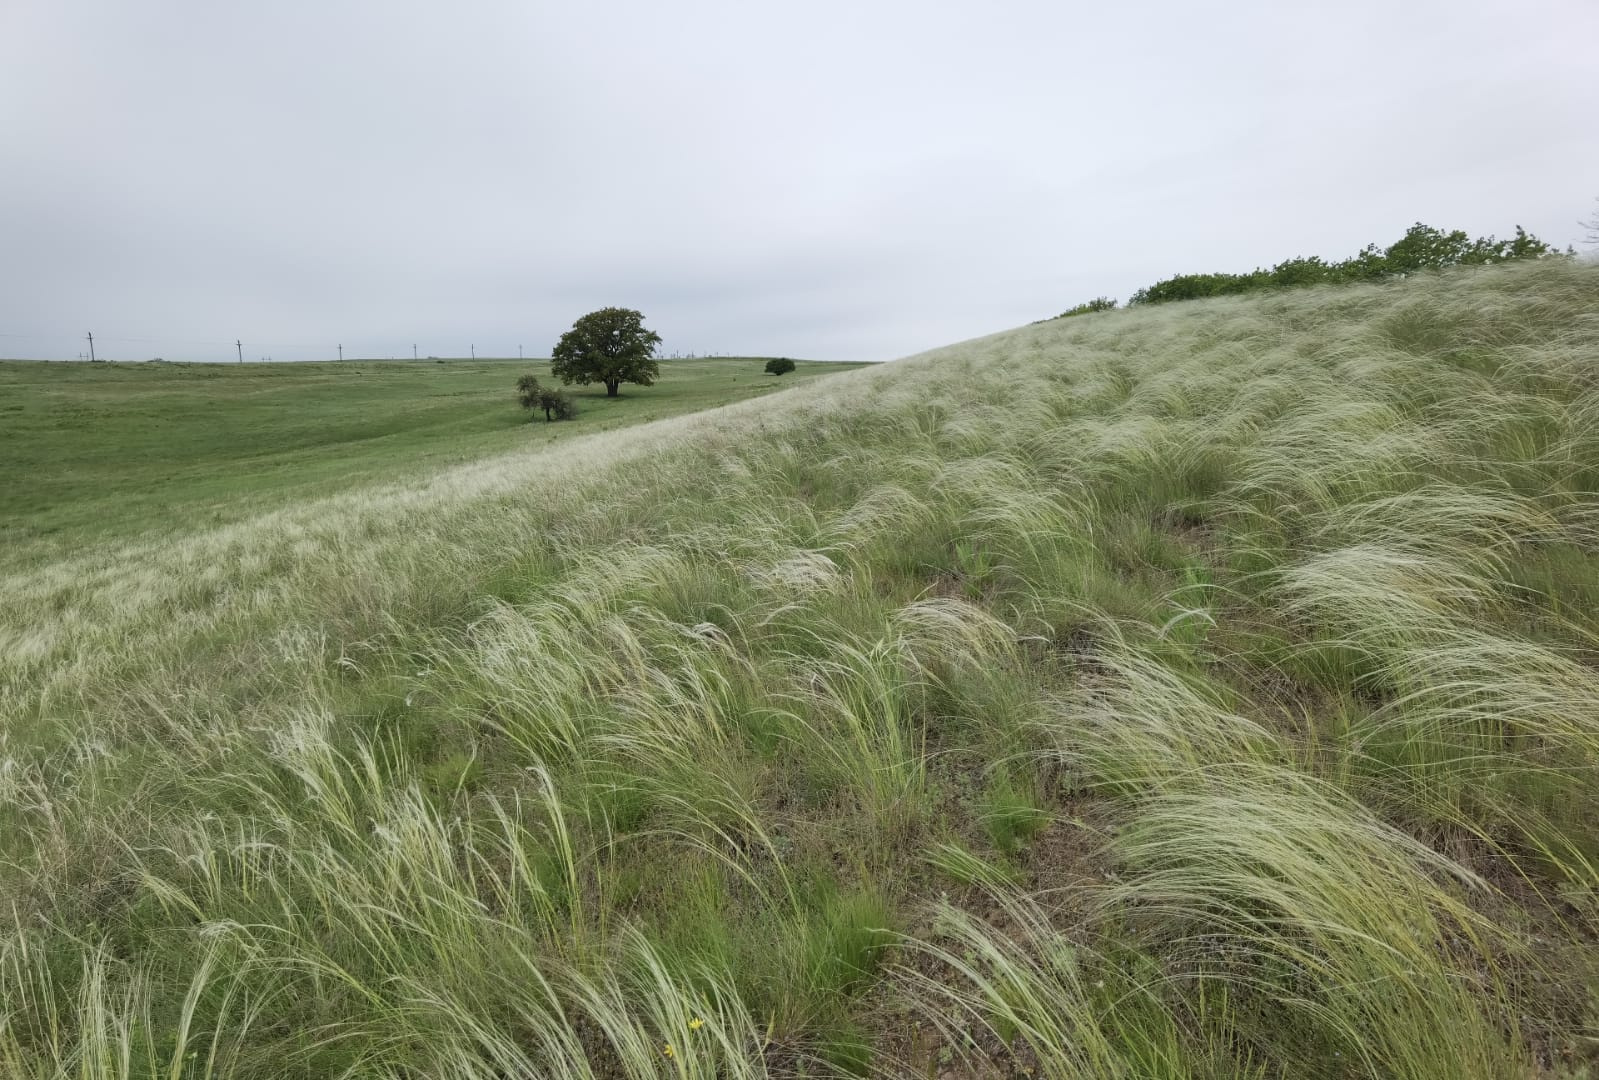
(474, 352)
(240, 346)
(341, 354)
(91, 346)
(519, 352)
(413, 352)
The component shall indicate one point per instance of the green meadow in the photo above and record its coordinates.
(98, 452)
(1191, 692)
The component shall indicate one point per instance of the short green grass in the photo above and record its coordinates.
(1193, 693)
(96, 452)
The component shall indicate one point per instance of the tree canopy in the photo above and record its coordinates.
(528, 390)
(781, 365)
(609, 346)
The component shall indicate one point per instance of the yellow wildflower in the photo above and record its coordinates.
(667, 1050)
(695, 1024)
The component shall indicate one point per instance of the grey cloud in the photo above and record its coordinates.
(839, 180)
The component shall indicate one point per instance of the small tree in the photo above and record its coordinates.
(609, 346)
(557, 405)
(782, 365)
(528, 391)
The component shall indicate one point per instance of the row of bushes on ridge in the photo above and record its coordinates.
(1421, 248)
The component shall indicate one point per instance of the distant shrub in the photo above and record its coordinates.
(557, 405)
(1421, 248)
(782, 365)
(1099, 303)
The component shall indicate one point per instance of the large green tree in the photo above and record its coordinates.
(609, 346)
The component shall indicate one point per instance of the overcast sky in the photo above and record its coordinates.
(837, 180)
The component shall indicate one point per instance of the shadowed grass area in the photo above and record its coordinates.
(1199, 692)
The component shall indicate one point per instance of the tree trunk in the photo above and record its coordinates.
(611, 387)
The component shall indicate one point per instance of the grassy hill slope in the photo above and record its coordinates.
(1205, 691)
(97, 452)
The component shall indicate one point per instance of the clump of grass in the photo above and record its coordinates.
(1012, 815)
(1332, 921)
(1036, 994)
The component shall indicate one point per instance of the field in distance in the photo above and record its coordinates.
(102, 451)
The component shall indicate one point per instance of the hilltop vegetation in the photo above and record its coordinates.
(1205, 692)
(1421, 248)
